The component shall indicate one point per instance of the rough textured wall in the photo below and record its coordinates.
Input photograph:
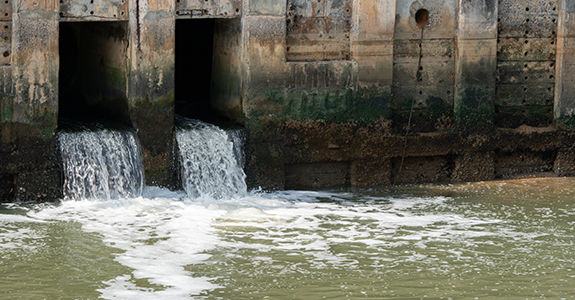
(424, 66)
(472, 102)
(207, 8)
(318, 30)
(29, 77)
(151, 85)
(325, 87)
(526, 52)
(564, 109)
(475, 65)
(5, 32)
(90, 10)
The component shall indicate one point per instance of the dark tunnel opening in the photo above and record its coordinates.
(193, 71)
(93, 72)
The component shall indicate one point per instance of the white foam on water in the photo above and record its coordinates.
(15, 232)
(165, 234)
(159, 236)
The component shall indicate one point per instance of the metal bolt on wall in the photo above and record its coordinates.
(5, 32)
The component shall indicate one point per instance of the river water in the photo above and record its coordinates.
(484, 240)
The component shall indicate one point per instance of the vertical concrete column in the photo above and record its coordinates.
(372, 47)
(264, 55)
(263, 87)
(564, 109)
(30, 114)
(564, 106)
(476, 63)
(151, 85)
(227, 69)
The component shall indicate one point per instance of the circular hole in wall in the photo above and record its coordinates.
(422, 17)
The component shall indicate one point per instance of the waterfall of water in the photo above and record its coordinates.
(210, 160)
(101, 164)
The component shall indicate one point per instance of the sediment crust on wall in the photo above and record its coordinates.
(318, 154)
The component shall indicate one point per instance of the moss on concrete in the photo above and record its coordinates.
(154, 122)
(473, 108)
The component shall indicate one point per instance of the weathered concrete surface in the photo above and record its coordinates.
(564, 106)
(333, 92)
(318, 30)
(93, 10)
(473, 166)
(186, 9)
(151, 86)
(475, 65)
(317, 153)
(5, 32)
(424, 66)
(29, 76)
(373, 25)
(526, 47)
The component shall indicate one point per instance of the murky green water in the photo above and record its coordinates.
(489, 240)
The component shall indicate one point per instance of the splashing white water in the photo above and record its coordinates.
(208, 165)
(101, 164)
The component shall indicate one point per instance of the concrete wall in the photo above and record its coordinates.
(333, 92)
(483, 82)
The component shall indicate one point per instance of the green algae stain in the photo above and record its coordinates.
(474, 108)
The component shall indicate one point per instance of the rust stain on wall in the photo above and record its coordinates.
(318, 30)
(5, 32)
(37, 4)
(186, 9)
(93, 10)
